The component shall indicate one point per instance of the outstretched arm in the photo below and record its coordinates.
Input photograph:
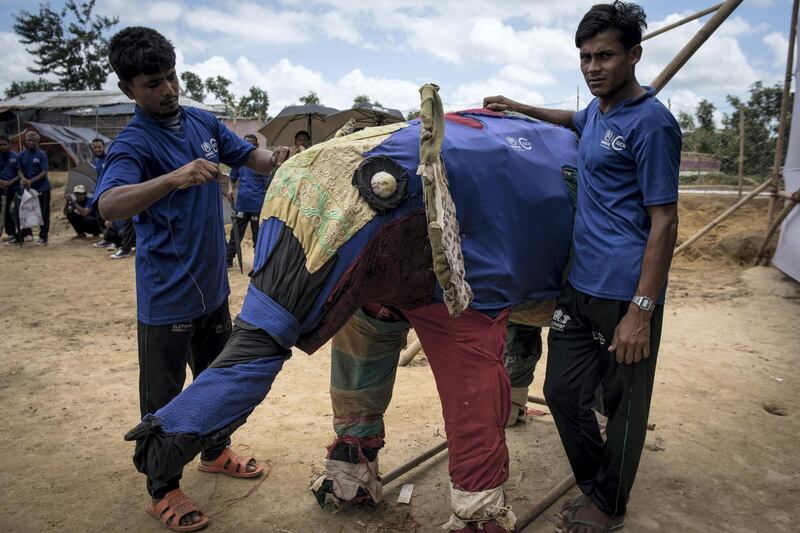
(554, 116)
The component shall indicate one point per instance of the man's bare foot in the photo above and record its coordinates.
(232, 464)
(590, 519)
(177, 512)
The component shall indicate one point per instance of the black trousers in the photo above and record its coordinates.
(241, 219)
(82, 224)
(523, 350)
(122, 234)
(164, 352)
(10, 212)
(44, 205)
(578, 361)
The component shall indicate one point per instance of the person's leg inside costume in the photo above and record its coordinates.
(466, 357)
(522, 351)
(579, 361)
(364, 359)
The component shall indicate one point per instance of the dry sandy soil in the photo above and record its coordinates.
(723, 455)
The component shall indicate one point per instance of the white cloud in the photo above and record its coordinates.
(16, 61)
(163, 11)
(778, 43)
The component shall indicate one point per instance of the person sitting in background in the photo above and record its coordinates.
(80, 214)
(250, 188)
(9, 190)
(34, 163)
(121, 236)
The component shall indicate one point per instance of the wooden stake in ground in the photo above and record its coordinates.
(787, 85)
(761, 254)
(741, 148)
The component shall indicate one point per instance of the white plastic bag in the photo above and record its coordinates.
(30, 214)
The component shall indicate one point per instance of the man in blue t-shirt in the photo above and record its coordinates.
(9, 190)
(163, 170)
(99, 149)
(34, 163)
(249, 188)
(607, 325)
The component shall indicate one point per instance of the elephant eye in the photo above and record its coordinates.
(382, 182)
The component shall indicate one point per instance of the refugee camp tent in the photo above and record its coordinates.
(60, 141)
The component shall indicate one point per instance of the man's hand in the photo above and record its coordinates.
(229, 194)
(26, 183)
(500, 103)
(3, 184)
(197, 172)
(281, 154)
(632, 336)
(109, 224)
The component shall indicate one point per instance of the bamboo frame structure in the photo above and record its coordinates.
(682, 22)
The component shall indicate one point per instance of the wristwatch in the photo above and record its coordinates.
(645, 303)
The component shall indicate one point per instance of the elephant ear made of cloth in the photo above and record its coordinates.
(443, 227)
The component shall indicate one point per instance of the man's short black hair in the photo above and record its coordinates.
(301, 132)
(138, 50)
(98, 140)
(626, 18)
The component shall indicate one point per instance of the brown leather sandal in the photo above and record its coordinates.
(174, 506)
(231, 464)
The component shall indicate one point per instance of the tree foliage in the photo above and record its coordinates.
(29, 86)
(70, 44)
(192, 86)
(761, 115)
(221, 88)
(254, 104)
(310, 98)
(363, 99)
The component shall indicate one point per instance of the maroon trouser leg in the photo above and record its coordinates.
(466, 357)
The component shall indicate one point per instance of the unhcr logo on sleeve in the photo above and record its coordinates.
(519, 144)
(210, 148)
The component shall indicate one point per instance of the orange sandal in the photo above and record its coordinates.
(174, 506)
(232, 464)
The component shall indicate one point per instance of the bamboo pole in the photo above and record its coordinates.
(682, 22)
(787, 86)
(525, 519)
(711, 225)
(761, 258)
(694, 44)
(413, 463)
(537, 399)
(411, 351)
(741, 148)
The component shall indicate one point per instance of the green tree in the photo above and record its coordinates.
(686, 122)
(70, 44)
(254, 104)
(310, 98)
(705, 115)
(411, 115)
(221, 88)
(29, 86)
(361, 99)
(193, 86)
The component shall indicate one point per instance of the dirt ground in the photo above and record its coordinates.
(723, 455)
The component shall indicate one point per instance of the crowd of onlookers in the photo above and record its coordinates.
(24, 180)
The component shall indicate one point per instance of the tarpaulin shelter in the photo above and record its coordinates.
(280, 131)
(84, 174)
(365, 115)
(57, 141)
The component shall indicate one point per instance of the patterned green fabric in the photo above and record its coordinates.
(364, 359)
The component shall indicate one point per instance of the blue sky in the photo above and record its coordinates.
(470, 48)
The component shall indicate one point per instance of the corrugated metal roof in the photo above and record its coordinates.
(79, 99)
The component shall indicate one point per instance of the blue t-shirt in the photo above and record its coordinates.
(628, 159)
(99, 163)
(180, 239)
(9, 168)
(32, 163)
(252, 187)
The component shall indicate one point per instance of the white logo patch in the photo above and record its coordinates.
(560, 319)
(210, 148)
(519, 143)
(599, 337)
(613, 141)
